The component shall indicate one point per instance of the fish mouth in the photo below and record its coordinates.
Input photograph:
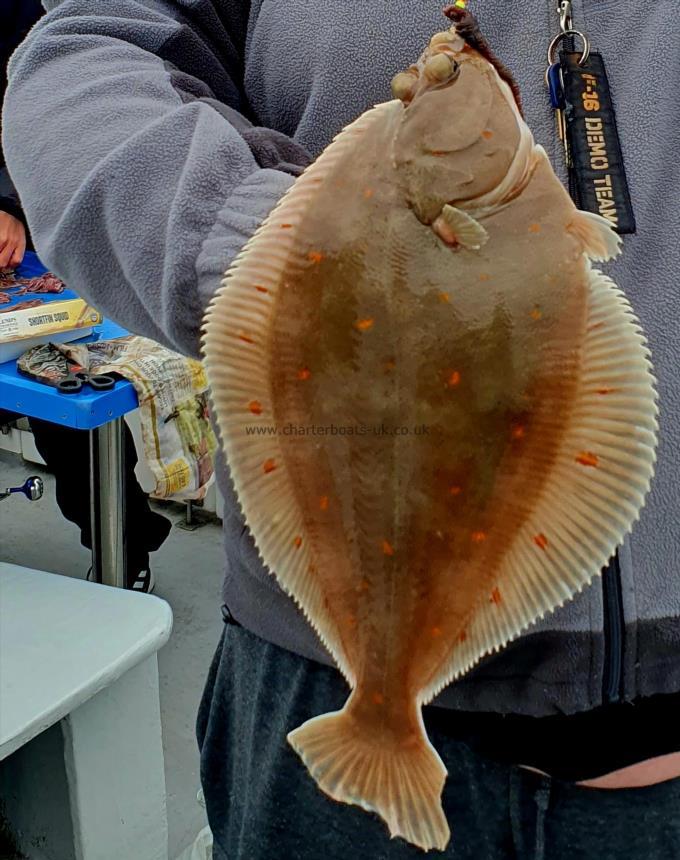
(438, 67)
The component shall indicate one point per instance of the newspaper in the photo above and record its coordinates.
(179, 443)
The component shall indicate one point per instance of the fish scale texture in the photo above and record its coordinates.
(127, 122)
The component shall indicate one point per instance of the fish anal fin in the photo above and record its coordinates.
(591, 497)
(456, 227)
(596, 235)
(399, 778)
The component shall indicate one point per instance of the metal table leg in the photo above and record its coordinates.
(107, 502)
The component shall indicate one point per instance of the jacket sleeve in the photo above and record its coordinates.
(126, 133)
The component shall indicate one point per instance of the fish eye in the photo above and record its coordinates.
(441, 68)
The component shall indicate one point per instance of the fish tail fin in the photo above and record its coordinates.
(399, 777)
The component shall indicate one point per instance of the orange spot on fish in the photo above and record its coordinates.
(534, 228)
(363, 585)
(486, 134)
(454, 379)
(478, 537)
(304, 373)
(315, 256)
(261, 289)
(541, 540)
(517, 432)
(351, 620)
(587, 458)
(495, 596)
(484, 276)
(462, 636)
(255, 407)
(436, 631)
(323, 503)
(605, 390)
(365, 324)
(246, 338)
(368, 193)
(387, 548)
(444, 297)
(455, 490)
(536, 314)
(268, 466)
(438, 153)
(297, 540)
(378, 698)
(285, 226)
(390, 364)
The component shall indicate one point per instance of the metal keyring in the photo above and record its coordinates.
(565, 35)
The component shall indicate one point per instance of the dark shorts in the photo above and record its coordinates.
(263, 805)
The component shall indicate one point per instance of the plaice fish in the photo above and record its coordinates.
(428, 272)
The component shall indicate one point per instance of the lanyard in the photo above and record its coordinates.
(586, 124)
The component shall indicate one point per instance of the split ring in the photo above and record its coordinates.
(565, 35)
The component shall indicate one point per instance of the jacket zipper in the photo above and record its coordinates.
(612, 594)
(613, 632)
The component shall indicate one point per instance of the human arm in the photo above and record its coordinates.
(140, 174)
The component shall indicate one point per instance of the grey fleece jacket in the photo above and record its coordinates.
(136, 132)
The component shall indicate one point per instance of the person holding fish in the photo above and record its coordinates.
(418, 634)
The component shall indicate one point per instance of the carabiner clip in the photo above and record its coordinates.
(564, 11)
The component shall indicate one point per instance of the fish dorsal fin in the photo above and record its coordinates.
(596, 487)
(236, 335)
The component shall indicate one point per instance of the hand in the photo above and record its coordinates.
(12, 241)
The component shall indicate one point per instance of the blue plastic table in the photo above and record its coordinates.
(100, 413)
(84, 411)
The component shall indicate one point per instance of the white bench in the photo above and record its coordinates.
(82, 774)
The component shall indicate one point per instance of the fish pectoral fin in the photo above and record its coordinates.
(597, 236)
(456, 227)
(399, 778)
